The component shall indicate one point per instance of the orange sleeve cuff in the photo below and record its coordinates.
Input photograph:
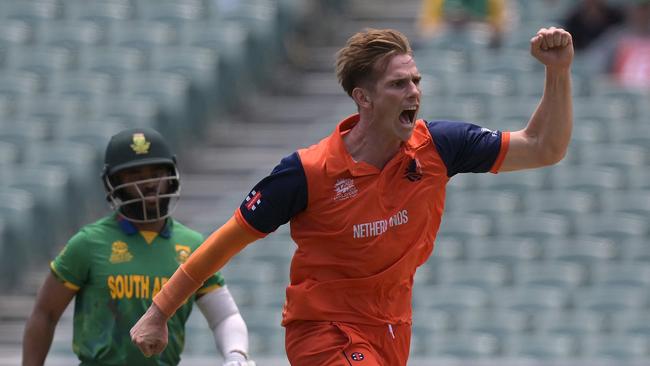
(245, 225)
(175, 292)
(505, 144)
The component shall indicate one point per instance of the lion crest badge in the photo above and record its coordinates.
(140, 144)
(182, 253)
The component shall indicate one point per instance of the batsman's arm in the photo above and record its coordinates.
(51, 301)
(227, 325)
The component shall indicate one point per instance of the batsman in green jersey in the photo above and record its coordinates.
(114, 267)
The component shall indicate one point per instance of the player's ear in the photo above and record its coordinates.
(361, 97)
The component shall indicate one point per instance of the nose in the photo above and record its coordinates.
(414, 90)
(149, 187)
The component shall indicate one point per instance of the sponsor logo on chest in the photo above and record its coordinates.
(344, 188)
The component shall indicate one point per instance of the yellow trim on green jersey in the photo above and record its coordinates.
(148, 236)
(205, 290)
(66, 283)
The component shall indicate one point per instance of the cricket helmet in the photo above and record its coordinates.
(147, 199)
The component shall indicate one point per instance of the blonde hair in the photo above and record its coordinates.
(366, 53)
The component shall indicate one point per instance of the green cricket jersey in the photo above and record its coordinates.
(117, 270)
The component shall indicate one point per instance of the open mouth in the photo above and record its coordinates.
(407, 117)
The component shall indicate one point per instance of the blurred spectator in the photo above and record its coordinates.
(456, 15)
(624, 51)
(589, 19)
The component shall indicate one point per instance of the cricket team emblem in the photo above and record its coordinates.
(140, 144)
(182, 253)
(413, 171)
(120, 252)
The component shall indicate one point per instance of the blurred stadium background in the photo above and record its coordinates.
(547, 267)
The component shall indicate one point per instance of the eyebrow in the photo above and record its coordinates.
(417, 76)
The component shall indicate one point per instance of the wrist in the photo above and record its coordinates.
(558, 70)
(156, 314)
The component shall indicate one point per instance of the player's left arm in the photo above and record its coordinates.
(227, 325)
(545, 139)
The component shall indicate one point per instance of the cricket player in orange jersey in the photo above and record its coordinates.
(366, 202)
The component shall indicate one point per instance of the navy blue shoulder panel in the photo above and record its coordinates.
(278, 197)
(465, 147)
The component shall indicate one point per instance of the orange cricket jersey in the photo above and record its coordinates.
(361, 232)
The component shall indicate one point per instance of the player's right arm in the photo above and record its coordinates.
(272, 203)
(68, 274)
(150, 332)
(52, 299)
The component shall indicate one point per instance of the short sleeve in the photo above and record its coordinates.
(466, 147)
(275, 199)
(71, 266)
(212, 283)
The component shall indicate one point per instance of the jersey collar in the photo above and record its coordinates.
(129, 229)
(338, 159)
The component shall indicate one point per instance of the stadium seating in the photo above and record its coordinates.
(576, 324)
(611, 299)
(587, 178)
(508, 250)
(486, 275)
(495, 203)
(543, 265)
(31, 11)
(541, 348)
(617, 155)
(470, 345)
(622, 274)
(565, 275)
(616, 226)
(497, 322)
(568, 203)
(531, 299)
(466, 225)
(20, 241)
(72, 35)
(518, 182)
(616, 349)
(451, 299)
(51, 187)
(16, 32)
(9, 154)
(541, 226)
(448, 249)
(635, 250)
(631, 201)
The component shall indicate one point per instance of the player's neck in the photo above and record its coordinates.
(369, 145)
(155, 226)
